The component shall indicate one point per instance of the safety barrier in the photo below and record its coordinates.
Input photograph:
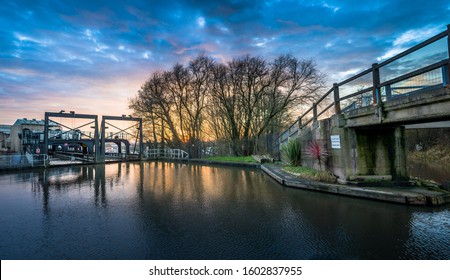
(21, 161)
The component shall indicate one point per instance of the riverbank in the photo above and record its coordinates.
(403, 195)
(438, 154)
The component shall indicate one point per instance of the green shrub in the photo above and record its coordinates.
(247, 159)
(292, 152)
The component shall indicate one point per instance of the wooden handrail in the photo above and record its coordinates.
(359, 75)
(415, 48)
(416, 72)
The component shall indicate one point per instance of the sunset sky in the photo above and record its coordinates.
(93, 56)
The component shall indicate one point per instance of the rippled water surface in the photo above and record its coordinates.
(179, 211)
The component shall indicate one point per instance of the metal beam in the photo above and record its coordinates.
(121, 118)
(45, 151)
(70, 115)
(98, 156)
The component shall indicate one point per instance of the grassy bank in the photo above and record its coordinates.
(310, 174)
(439, 154)
(247, 159)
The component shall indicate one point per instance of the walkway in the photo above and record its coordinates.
(404, 195)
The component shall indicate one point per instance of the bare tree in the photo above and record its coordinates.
(156, 105)
(255, 95)
(235, 102)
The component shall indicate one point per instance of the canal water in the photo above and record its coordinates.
(182, 211)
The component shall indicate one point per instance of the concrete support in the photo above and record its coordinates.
(400, 170)
(374, 151)
(342, 160)
(381, 151)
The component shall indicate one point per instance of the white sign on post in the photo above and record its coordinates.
(335, 142)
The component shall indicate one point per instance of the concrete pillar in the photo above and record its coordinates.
(400, 165)
(340, 163)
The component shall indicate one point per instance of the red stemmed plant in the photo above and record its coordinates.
(318, 152)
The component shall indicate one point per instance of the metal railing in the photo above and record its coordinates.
(383, 82)
(21, 161)
(122, 156)
(166, 153)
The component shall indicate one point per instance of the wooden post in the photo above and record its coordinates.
(141, 140)
(448, 51)
(376, 84)
(388, 92)
(315, 111)
(337, 102)
(299, 123)
(445, 73)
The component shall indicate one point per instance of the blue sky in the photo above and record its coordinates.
(93, 56)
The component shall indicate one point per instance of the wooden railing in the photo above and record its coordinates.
(381, 87)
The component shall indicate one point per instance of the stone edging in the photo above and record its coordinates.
(381, 194)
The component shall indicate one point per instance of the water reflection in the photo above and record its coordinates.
(182, 211)
(429, 171)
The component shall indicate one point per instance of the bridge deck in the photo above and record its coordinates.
(426, 106)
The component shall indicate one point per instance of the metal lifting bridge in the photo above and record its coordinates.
(88, 146)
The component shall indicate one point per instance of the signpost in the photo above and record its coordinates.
(335, 141)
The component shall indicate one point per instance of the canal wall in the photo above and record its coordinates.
(402, 195)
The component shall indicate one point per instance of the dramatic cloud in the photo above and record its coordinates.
(92, 56)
